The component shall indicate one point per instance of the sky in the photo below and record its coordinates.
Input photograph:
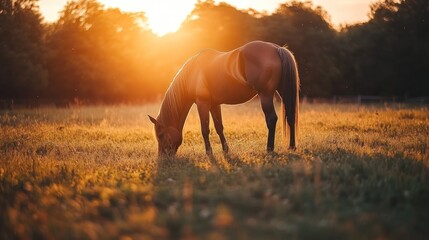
(166, 15)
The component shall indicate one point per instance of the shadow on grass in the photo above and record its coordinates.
(323, 194)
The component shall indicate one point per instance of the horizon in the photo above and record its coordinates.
(166, 16)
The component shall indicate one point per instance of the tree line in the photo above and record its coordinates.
(100, 54)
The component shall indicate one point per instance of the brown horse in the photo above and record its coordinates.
(212, 78)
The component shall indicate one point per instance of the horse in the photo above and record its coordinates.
(211, 78)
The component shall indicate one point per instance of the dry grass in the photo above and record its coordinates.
(92, 173)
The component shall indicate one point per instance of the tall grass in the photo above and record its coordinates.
(92, 173)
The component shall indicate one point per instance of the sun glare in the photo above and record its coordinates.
(164, 16)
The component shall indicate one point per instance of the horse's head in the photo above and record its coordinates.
(169, 138)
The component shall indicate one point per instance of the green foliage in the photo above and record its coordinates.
(389, 52)
(22, 60)
(307, 32)
(98, 54)
(232, 27)
(92, 173)
(105, 55)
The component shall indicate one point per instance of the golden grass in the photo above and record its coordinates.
(92, 173)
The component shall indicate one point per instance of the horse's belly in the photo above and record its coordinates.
(232, 94)
(226, 80)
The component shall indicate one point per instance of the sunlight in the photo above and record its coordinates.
(164, 16)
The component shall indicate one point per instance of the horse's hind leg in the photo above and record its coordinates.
(203, 110)
(217, 119)
(270, 118)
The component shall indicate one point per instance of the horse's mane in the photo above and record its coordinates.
(176, 99)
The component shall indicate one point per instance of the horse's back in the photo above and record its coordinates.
(220, 78)
(262, 53)
(262, 65)
(238, 75)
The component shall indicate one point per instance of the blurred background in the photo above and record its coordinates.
(97, 54)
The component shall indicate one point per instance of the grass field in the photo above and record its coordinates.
(360, 172)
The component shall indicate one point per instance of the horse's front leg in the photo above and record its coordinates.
(203, 110)
(270, 118)
(217, 119)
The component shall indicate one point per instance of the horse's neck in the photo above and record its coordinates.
(176, 105)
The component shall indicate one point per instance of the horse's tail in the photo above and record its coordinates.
(289, 91)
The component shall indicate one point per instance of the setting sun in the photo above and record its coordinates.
(164, 16)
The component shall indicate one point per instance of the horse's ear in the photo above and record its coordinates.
(153, 120)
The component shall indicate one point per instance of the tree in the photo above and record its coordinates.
(97, 54)
(388, 54)
(22, 60)
(219, 26)
(307, 32)
(106, 55)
